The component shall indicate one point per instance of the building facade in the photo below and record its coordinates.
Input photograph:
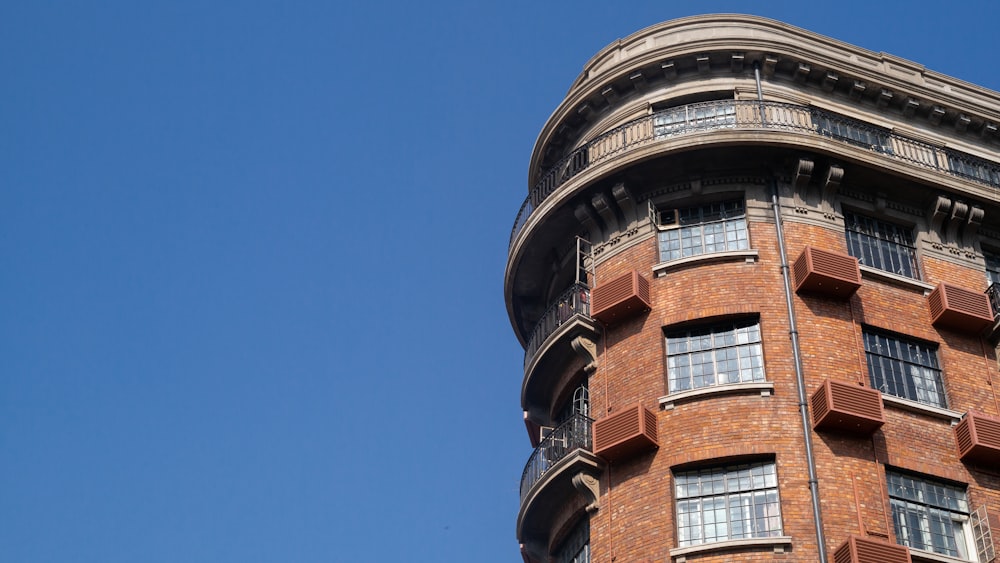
(753, 280)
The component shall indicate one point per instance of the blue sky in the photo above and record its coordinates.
(252, 254)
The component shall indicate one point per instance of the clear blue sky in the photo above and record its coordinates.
(252, 254)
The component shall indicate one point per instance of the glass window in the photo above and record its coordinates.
(881, 245)
(576, 547)
(974, 169)
(904, 368)
(578, 403)
(714, 355)
(727, 503)
(716, 227)
(853, 132)
(713, 115)
(992, 267)
(929, 515)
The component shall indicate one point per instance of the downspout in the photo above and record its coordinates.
(799, 378)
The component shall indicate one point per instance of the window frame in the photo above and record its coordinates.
(575, 547)
(992, 261)
(732, 342)
(899, 363)
(853, 131)
(714, 114)
(677, 229)
(916, 504)
(891, 246)
(764, 522)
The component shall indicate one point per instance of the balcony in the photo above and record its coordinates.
(561, 468)
(572, 303)
(749, 115)
(993, 293)
(550, 348)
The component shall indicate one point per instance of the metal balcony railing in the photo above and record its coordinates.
(993, 292)
(572, 435)
(573, 301)
(752, 115)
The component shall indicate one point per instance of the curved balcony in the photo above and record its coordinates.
(554, 474)
(549, 347)
(573, 302)
(751, 115)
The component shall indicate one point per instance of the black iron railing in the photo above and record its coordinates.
(572, 435)
(573, 301)
(752, 115)
(993, 292)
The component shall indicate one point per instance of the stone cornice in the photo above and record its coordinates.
(758, 37)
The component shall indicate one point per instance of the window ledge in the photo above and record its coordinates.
(920, 408)
(921, 555)
(766, 389)
(777, 542)
(889, 277)
(662, 268)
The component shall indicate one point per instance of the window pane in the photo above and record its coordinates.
(733, 502)
(904, 369)
(724, 354)
(928, 514)
(881, 245)
(717, 227)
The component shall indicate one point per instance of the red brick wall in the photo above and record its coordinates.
(636, 518)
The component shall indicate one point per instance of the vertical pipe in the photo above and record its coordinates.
(760, 92)
(799, 378)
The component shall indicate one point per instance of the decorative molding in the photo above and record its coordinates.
(586, 349)
(588, 486)
(779, 543)
(749, 256)
(766, 389)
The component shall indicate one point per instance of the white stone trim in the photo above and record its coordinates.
(751, 255)
(913, 406)
(896, 279)
(778, 542)
(766, 389)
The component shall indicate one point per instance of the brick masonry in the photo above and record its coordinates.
(636, 519)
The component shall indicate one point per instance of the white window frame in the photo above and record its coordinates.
(725, 503)
(904, 368)
(881, 244)
(714, 355)
(921, 504)
(702, 229)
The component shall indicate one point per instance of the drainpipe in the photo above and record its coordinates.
(799, 379)
(756, 75)
(760, 92)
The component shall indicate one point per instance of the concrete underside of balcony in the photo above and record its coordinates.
(571, 485)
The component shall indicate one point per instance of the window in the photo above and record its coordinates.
(974, 169)
(727, 503)
(881, 245)
(578, 403)
(576, 547)
(715, 227)
(715, 355)
(992, 267)
(930, 515)
(711, 115)
(852, 131)
(904, 368)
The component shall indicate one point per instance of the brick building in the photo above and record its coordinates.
(753, 281)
